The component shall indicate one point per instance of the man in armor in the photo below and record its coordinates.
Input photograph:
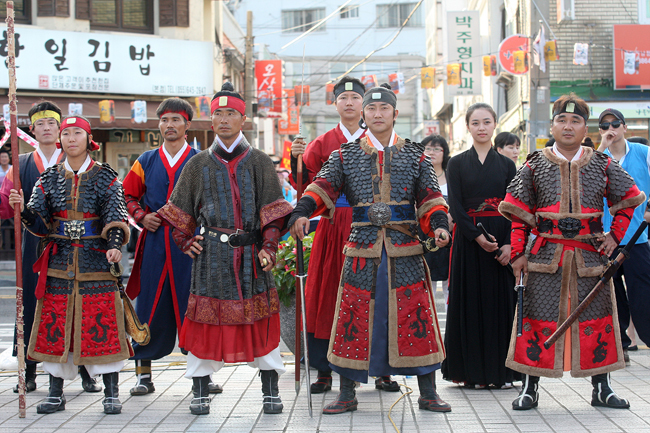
(558, 196)
(45, 117)
(78, 207)
(231, 192)
(385, 321)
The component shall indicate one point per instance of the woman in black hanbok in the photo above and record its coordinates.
(481, 296)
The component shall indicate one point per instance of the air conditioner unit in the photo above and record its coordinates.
(505, 80)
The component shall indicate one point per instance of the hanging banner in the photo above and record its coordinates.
(202, 107)
(521, 62)
(465, 50)
(631, 57)
(550, 51)
(268, 74)
(581, 54)
(290, 125)
(538, 50)
(138, 111)
(75, 109)
(453, 74)
(489, 66)
(301, 92)
(369, 81)
(329, 93)
(107, 111)
(507, 50)
(427, 78)
(286, 155)
(397, 83)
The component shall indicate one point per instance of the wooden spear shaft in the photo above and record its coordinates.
(13, 114)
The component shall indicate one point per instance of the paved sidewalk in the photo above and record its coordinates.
(564, 406)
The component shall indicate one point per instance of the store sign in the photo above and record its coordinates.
(431, 127)
(512, 54)
(631, 57)
(465, 49)
(268, 74)
(107, 63)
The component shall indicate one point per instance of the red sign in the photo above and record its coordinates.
(286, 155)
(507, 53)
(631, 57)
(291, 124)
(269, 85)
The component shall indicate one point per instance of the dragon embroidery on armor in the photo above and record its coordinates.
(420, 324)
(533, 351)
(95, 330)
(53, 331)
(600, 353)
(350, 329)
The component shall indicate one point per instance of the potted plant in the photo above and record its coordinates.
(284, 274)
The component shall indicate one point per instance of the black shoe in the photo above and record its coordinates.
(30, 378)
(215, 388)
(323, 383)
(346, 400)
(144, 385)
(386, 384)
(429, 398)
(200, 404)
(529, 395)
(272, 403)
(89, 384)
(604, 396)
(633, 348)
(111, 402)
(55, 400)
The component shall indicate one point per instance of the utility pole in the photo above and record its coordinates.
(249, 94)
(540, 82)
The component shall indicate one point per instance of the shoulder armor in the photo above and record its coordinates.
(109, 170)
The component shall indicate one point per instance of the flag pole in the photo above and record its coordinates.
(13, 114)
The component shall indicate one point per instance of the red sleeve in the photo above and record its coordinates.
(6, 211)
(425, 220)
(134, 189)
(320, 204)
(623, 217)
(518, 239)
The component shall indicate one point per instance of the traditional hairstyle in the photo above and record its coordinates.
(44, 105)
(571, 103)
(348, 83)
(504, 139)
(176, 105)
(383, 93)
(480, 105)
(228, 98)
(432, 140)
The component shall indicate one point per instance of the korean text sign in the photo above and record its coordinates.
(631, 57)
(269, 85)
(103, 63)
(465, 48)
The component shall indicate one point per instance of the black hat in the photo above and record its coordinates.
(349, 84)
(382, 93)
(571, 107)
(613, 112)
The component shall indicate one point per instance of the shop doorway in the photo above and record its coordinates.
(121, 156)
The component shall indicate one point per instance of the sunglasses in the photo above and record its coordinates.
(615, 124)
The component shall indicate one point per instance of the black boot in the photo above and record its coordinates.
(200, 404)
(30, 378)
(111, 402)
(429, 398)
(323, 383)
(55, 400)
(89, 384)
(272, 402)
(386, 384)
(528, 396)
(346, 400)
(603, 395)
(214, 388)
(144, 385)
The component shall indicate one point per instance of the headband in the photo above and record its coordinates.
(380, 94)
(572, 107)
(228, 102)
(46, 114)
(346, 86)
(78, 122)
(182, 113)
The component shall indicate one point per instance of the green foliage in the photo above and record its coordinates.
(284, 271)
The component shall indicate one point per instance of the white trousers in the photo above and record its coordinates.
(197, 367)
(69, 370)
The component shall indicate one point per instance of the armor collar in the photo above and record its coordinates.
(219, 151)
(587, 153)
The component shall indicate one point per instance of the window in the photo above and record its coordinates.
(394, 15)
(126, 15)
(565, 10)
(350, 11)
(302, 20)
(22, 11)
(644, 11)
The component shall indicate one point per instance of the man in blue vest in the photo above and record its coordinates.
(635, 159)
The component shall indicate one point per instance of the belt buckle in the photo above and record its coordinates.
(379, 213)
(569, 227)
(74, 229)
(237, 232)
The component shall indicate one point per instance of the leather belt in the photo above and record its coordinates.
(234, 238)
(77, 229)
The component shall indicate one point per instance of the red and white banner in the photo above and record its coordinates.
(269, 85)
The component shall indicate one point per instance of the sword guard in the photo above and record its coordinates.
(519, 287)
